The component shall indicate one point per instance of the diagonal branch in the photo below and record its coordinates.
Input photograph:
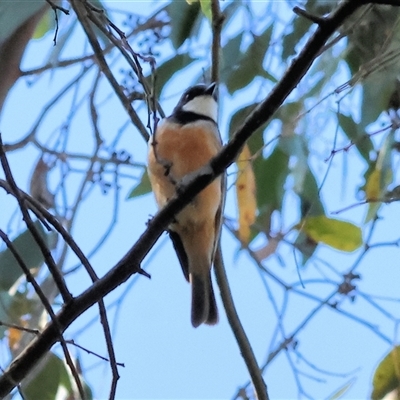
(242, 340)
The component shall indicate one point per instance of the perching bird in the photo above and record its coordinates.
(183, 143)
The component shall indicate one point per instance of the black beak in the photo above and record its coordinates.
(211, 90)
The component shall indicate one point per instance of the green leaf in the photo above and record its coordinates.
(250, 64)
(295, 146)
(306, 246)
(377, 92)
(46, 24)
(361, 140)
(271, 179)
(45, 379)
(271, 175)
(167, 69)
(300, 28)
(238, 119)
(379, 178)
(230, 56)
(292, 144)
(321, 73)
(288, 114)
(142, 188)
(230, 10)
(183, 20)
(12, 15)
(342, 390)
(386, 376)
(206, 9)
(374, 64)
(320, 7)
(376, 30)
(5, 304)
(22, 304)
(310, 204)
(340, 235)
(30, 253)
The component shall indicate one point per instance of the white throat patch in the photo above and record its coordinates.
(203, 105)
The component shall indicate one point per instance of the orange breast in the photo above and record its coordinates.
(186, 148)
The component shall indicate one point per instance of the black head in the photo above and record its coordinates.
(196, 91)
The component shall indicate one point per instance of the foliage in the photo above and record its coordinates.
(330, 149)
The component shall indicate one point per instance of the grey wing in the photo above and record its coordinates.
(180, 252)
(219, 218)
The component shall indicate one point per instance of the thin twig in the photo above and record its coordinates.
(72, 342)
(217, 22)
(219, 268)
(82, 17)
(237, 328)
(85, 262)
(14, 326)
(47, 306)
(55, 272)
(57, 7)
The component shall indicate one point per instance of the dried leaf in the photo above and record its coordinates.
(246, 194)
(267, 250)
(39, 187)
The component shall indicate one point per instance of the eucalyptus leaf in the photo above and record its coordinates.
(231, 55)
(45, 380)
(362, 141)
(29, 251)
(340, 235)
(206, 9)
(271, 175)
(250, 63)
(168, 68)
(386, 377)
(379, 178)
(183, 20)
(310, 204)
(295, 146)
(13, 15)
(5, 304)
(142, 188)
(300, 27)
(46, 24)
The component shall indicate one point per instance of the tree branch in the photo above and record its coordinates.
(222, 280)
(240, 335)
(217, 22)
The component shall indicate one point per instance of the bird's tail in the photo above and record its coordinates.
(204, 306)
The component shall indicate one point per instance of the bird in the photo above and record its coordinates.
(183, 143)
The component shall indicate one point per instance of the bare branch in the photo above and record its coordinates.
(217, 22)
(57, 276)
(237, 328)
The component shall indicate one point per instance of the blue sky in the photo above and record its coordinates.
(164, 356)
